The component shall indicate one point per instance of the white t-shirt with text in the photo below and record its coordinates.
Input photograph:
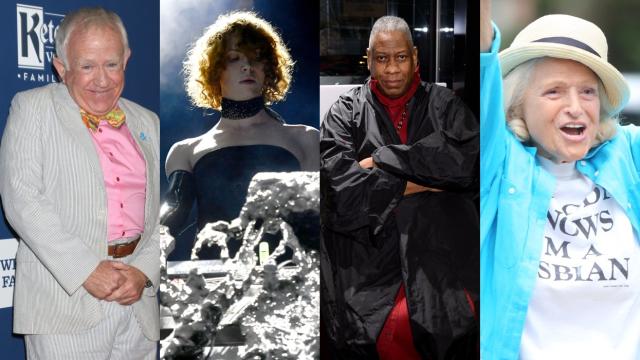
(586, 301)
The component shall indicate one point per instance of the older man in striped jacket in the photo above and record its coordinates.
(79, 185)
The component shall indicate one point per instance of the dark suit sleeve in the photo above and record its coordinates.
(352, 197)
(445, 159)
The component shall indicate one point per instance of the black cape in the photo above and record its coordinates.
(374, 237)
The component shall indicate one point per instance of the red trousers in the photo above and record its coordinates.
(395, 340)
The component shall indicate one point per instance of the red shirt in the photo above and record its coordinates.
(397, 109)
(395, 340)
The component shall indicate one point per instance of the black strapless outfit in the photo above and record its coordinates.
(218, 184)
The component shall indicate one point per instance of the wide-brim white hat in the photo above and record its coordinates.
(568, 37)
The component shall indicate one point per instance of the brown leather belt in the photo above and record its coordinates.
(122, 250)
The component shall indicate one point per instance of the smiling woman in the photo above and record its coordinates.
(555, 161)
(563, 108)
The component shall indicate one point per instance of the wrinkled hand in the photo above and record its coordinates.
(367, 163)
(104, 280)
(413, 188)
(133, 286)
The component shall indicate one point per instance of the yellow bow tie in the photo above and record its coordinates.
(114, 117)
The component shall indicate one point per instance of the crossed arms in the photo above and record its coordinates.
(360, 192)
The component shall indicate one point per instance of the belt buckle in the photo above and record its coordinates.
(116, 251)
(124, 246)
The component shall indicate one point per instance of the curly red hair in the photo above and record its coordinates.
(206, 59)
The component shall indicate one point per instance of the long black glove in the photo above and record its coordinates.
(179, 200)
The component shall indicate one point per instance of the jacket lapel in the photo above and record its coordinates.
(417, 114)
(67, 112)
(382, 118)
(141, 135)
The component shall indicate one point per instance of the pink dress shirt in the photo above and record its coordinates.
(125, 179)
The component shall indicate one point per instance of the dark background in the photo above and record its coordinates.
(444, 32)
(183, 22)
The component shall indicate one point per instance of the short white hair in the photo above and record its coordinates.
(85, 18)
(388, 24)
(515, 85)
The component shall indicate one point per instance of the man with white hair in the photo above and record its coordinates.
(79, 186)
(399, 229)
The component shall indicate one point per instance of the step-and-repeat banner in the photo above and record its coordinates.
(27, 30)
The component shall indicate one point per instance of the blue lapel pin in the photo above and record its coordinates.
(143, 137)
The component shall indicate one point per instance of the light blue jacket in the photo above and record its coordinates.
(515, 193)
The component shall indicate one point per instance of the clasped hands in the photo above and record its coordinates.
(411, 187)
(115, 281)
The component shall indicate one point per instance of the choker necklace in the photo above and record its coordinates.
(234, 110)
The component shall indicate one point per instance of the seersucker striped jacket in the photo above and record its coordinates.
(54, 197)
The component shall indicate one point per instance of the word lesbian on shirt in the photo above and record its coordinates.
(579, 238)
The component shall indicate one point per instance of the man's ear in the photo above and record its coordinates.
(57, 63)
(415, 55)
(368, 59)
(127, 54)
